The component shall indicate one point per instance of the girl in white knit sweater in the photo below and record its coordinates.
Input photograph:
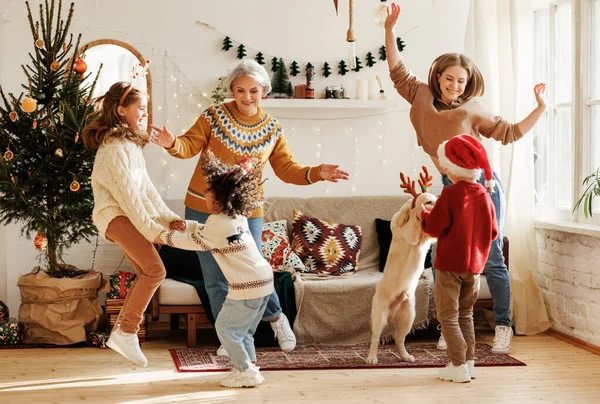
(127, 208)
(233, 192)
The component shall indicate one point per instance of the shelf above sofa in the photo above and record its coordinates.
(295, 103)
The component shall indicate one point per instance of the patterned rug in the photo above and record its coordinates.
(333, 357)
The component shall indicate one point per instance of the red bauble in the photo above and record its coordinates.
(80, 66)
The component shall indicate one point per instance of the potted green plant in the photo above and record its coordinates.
(45, 180)
(592, 190)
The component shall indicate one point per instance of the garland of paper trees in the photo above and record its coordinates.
(294, 70)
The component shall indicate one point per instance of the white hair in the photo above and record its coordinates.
(250, 68)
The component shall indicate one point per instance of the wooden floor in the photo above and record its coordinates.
(556, 372)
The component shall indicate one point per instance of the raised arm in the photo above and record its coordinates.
(391, 50)
(530, 120)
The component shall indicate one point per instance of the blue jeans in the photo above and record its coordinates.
(214, 280)
(235, 327)
(495, 270)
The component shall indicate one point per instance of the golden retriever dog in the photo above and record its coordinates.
(394, 298)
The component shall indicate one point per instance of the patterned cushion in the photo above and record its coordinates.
(326, 247)
(276, 248)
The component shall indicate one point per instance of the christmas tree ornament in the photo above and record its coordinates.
(76, 138)
(342, 68)
(274, 64)
(13, 116)
(54, 66)
(59, 152)
(61, 191)
(350, 35)
(260, 59)
(241, 51)
(370, 59)
(12, 179)
(29, 173)
(39, 43)
(326, 70)
(310, 81)
(64, 47)
(294, 70)
(381, 12)
(226, 44)
(400, 44)
(382, 55)
(75, 186)
(28, 105)
(80, 66)
(40, 241)
(45, 123)
(357, 65)
(34, 124)
(8, 155)
(40, 97)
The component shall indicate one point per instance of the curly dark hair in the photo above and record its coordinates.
(238, 192)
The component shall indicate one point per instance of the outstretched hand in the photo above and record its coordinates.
(178, 225)
(330, 172)
(539, 90)
(162, 137)
(393, 11)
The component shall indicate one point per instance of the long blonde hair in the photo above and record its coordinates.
(475, 86)
(109, 124)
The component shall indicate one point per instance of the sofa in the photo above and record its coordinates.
(330, 310)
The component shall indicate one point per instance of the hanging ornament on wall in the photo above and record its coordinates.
(28, 105)
(294, 70)
(13, 116)
(80, 66)
(40, 241)
(326, 70)
(400, 44)
(226, 44)
(358, 66)
(342, 68)
(260, 59)
(370, 59)
(274, 64)
(8, 155)
(241, 51)
(382, 55)
(75, 186)
(54, 66)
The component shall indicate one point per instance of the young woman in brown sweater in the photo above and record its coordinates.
(446, 106)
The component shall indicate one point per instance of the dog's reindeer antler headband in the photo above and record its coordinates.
(138, 71)
(409, 185)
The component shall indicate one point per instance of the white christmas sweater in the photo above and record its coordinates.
(122, 188)
(229, 240)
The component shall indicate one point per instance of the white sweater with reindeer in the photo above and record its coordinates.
(122, 188)
(229, 240)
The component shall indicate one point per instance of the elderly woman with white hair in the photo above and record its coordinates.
(233, 131)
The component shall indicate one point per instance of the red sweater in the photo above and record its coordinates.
(464, 222)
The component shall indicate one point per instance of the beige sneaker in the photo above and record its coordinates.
(284, 334)
(222, 351)
(127, 345)
(457, 374)
(441, 344)
(471, 367)
(249, 378)
(502, 339)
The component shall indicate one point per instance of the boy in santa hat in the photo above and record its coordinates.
(464, 222)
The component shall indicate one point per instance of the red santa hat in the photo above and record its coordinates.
(464, 156)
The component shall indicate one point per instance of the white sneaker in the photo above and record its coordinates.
(471, 367)
(222, 352)
(260, 377)
(284, 334)
(249, 378)
(441, 344)
(457, 374)
(502, 339)
(127, 345)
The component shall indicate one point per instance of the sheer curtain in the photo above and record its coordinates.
(498, 39)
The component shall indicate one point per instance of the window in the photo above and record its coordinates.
(567, 138)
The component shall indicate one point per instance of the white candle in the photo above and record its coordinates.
(373, 89)
(362, 89)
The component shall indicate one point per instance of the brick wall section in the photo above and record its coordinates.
(569, 277)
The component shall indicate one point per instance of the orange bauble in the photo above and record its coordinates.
(28, 104)
(80, 66)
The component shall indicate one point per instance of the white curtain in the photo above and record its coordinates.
(498, 39)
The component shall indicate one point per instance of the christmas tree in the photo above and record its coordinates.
(280, 80)
(382, 55)
(294, 70)
(260, 59)
(326, 69)
(342, 68)
(370, 59)
(45, 173)
(241, 51)
(358, 65)
(274, 64)
(290, 90)
(226, 44)
(400, 44)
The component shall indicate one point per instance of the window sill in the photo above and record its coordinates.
(570, 227)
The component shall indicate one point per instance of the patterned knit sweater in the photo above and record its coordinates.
(122, 188)
(435, 121)
(231, 136)
(229, 240)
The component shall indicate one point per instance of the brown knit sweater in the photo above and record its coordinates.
(435, 121)
(231, 136)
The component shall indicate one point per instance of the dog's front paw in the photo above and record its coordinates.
(407, 358)
(372, 360)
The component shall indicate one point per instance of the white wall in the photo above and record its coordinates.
(167, 33)
(569, 277)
